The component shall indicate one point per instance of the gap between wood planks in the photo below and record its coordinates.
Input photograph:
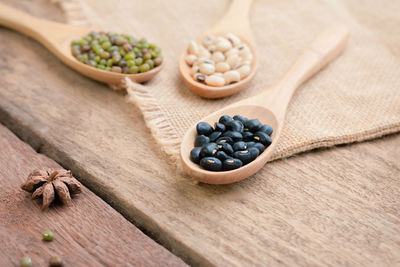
(85, 232)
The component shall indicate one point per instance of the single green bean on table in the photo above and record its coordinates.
(116, 52)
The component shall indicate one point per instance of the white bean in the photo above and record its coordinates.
(233, 39)
(207, 69)
(233, 61)
(194, 70)
(219, 74)
(231, 52)
(212, 48)
(203, 52)
(217, 40)
(248, 58)
(222, 67)
(215, 80)
(206, 60)
(244, 70)
(208, 40)
(193, 48)
(231, 76)
(190, 59)
(244, 50)
(217, 57)
(246, 54)
(223, 45)
(200, 77)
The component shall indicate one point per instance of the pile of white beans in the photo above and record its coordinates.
(220, 60)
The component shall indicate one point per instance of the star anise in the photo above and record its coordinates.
(50, 184)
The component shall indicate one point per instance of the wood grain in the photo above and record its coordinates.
(328, 207)
(89, 233)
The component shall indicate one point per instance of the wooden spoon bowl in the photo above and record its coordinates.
(235, 21)
(57, 38)
(269, 107)
(248, 110)
(207, 91)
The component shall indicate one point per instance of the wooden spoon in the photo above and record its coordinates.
(57, 38)
(269, 107)
(235, 21)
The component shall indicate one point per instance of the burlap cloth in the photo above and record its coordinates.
(355, 98)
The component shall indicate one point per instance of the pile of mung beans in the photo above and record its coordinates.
(220, 60)
(230, 144)
(117, 52)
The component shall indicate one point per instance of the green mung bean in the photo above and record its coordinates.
(116, 52)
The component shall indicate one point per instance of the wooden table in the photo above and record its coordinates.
(89, 233)
(338, 206)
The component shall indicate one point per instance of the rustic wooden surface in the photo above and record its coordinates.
(337, 206)
(89, 233)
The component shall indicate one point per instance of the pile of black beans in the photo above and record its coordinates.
(230, 144)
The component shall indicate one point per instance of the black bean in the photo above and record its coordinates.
(236, 136)
(251, 144)
(195, 155)
(225, 139)
(209, 150)
(225, 119)
(247, 136)
(254, 152)
(221, 155)
(260, 147)
(231, 164)
(201, 140)
(240, 118)
(262, 138)
(204, 128)
(266, 129)
(211, 164)
(239, 146)
(245, 156)
(214, 136)
(236, 126)
(220, 127)
(253, 125)
(227, 148)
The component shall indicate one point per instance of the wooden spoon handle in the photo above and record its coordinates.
(36, 28)
(236, 20)
(326, 47)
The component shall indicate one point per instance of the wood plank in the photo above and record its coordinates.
(89, 233)
(328, 207)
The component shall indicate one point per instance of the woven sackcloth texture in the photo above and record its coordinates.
(355, 98)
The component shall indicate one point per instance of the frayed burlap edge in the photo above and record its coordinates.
(161, 128)
(154, 117)
(332, 141)
(167, 137)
